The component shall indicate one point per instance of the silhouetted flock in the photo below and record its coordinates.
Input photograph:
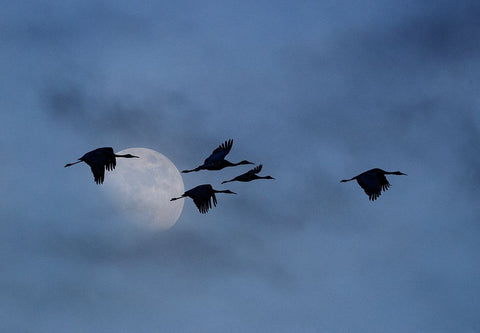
(373, 181)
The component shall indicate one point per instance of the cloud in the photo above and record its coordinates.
(315, 96)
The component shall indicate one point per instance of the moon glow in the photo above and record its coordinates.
(143, 186)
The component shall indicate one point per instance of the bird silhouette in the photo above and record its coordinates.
(202, 196)
(99, 160)
(216, 160)
(373, 181)
(249, 176)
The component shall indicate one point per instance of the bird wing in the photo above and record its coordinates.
(109, 157)
(384, 184)
(96, 159)
(98, 173)
(373, 183)
(250, 174)
(214, 199)
(203, 203)
(257, 169)
(201, 196)
(219, 153)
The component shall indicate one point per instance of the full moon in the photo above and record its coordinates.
(143, 187)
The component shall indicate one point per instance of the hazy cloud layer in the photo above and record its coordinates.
(314, 91)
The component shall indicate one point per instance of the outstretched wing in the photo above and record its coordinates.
(219, 153)
(205, 203)
(250, 174)
(202, 197)
(109, 158)
(98, 173)
(202, 204)
(257, 169)
(99, 160)
(373, 184)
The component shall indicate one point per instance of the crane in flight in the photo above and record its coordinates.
(216, 160)
(373, 181)
(202, 196)
(99, 160)
(249, 176)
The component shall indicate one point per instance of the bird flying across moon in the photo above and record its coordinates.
(373, 181)
(141, 190)
(202, 196)
(216, 160)
(99, 160)
(249, 176)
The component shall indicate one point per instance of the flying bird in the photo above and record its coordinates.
(216, 160)
(249, 176)
(373, 181)
(99, 160)
(202, 196)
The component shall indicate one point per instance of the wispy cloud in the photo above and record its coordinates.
(315, 92)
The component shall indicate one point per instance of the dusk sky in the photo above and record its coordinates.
(316, 91)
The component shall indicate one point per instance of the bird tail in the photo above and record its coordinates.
(196, 169)
(70, 164)
(192, 170)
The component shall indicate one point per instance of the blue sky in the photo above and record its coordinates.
(316, 91)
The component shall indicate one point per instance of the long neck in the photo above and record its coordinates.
(393, 173)
(239, 163)
(223, 191)
(196, 169)
(125, 156)
(262, 177)
(226, 163)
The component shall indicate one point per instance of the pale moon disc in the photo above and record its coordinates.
(143, 187)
